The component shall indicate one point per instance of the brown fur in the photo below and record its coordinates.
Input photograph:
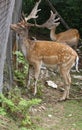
(70, 37)
(48, 53)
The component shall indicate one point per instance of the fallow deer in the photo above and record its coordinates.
(46, 53)
(70, 37)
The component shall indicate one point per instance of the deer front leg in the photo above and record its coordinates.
(29, 76)
(37, 68)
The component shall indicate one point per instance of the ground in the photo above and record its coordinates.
(53, 115)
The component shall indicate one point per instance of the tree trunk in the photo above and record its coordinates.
(6, 10)
(12, 39)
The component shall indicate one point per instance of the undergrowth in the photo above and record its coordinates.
(20, 69)
(16, 107)
(14, 104)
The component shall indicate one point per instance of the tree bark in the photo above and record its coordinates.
(12, 39)
(6, 10)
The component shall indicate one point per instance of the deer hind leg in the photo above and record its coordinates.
(65, 72)
(67, 80)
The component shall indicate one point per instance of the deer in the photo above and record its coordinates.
(47, 53)
(70, 37)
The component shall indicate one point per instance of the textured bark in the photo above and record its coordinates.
(6, 11)
(12, 39)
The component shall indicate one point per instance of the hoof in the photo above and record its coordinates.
(62, 99)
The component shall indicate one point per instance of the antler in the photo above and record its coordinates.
(50, 22)
(34, 12)
(23, 23)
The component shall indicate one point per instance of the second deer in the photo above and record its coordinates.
(70, 37)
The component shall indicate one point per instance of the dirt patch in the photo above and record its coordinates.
(52, 115)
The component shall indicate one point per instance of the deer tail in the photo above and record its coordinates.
(76, 64)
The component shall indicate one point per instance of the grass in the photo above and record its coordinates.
(72, 116)
(54, 116)
(59, 116)
(64, 116)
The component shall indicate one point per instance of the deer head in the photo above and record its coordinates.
(22, 27)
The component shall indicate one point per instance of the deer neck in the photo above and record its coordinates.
(24, 44)
(53, 36)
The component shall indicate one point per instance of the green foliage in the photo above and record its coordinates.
(21, 71)
(20, 57)
(17, 107)
(7, 103)
(23, 128)
(14, 105)
(2, 111)
(26, 104)
(27, 3)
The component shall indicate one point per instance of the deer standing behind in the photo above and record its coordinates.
(70, 37)
(46, 53)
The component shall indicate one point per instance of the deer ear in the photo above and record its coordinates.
(13, 26)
